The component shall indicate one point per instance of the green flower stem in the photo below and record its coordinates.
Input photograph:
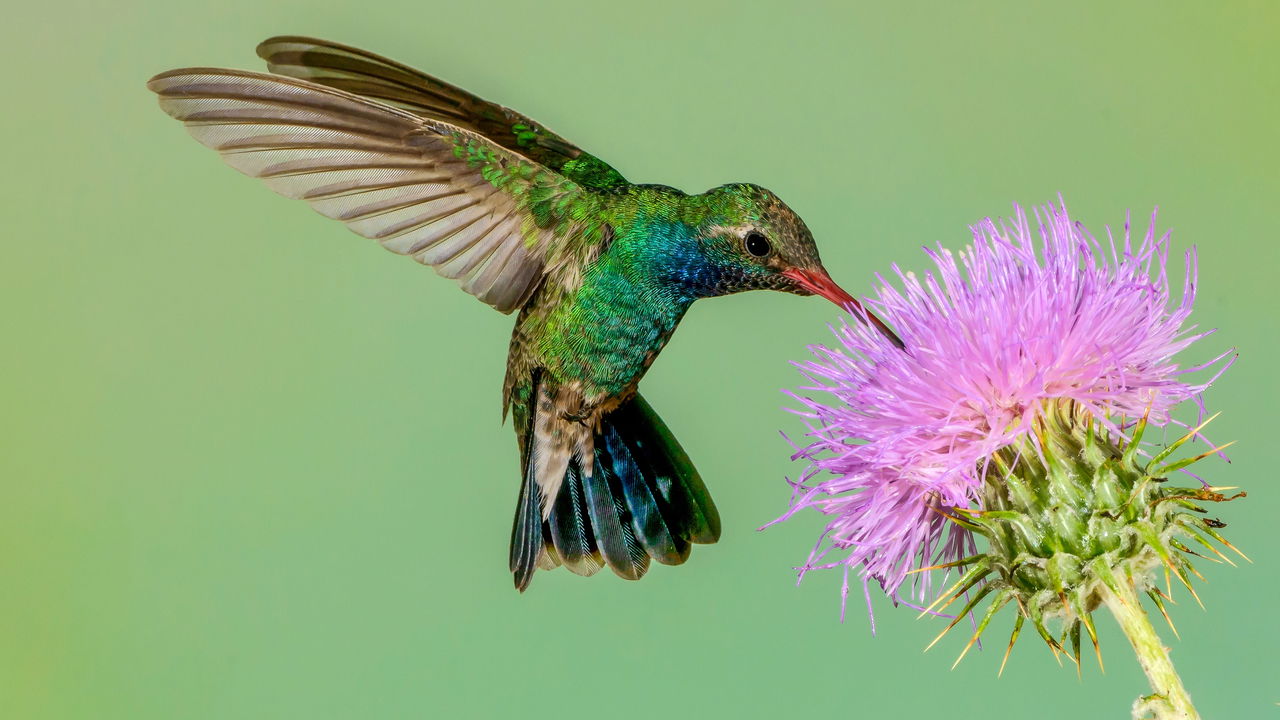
(1170, 700)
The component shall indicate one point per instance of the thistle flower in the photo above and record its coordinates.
(1017, 419)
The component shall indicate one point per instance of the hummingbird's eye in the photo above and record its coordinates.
(756, 243)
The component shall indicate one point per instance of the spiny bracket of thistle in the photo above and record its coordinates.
(1071, 512)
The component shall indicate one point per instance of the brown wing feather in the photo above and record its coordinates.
(364, 73)
(445, 196)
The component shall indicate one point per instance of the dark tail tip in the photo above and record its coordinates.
(526, 534)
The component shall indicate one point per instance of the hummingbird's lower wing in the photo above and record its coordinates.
(361, 72)
(491, 219)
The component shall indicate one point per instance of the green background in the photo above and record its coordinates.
(252, 464)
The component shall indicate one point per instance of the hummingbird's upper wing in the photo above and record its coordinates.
(491, 219)
(363, 73)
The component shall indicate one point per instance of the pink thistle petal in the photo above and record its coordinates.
(898, 439)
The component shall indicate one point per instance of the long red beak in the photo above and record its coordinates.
(819, 282)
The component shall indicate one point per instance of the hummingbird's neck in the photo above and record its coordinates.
(666, 259)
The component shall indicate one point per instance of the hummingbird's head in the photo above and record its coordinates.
(761, 244)
(758, 243)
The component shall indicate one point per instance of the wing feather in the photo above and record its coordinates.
(363, 73)
(439, 193)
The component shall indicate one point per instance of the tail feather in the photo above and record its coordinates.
(527, 544)
(571, 531)
(683, 498)
(612, 523)
(644, 501)
(526, 534)
(549, 558)
(656, 522)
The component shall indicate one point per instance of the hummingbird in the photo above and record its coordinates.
(600, 270)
